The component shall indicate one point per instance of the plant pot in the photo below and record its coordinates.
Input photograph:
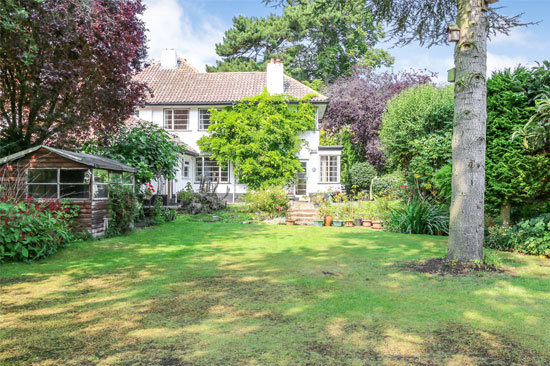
(318, 222)
(290, 222)
(328, 220)
(358, 222)
(348, 223)
(377, 225)
(338, 223)
(367, 223)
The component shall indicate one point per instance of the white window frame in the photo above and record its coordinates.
(170, 124)
(201, 111)
(328, 181)
(186, 164)
(200, 160)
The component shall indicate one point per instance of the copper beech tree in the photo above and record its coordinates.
(426, 22)
(66, 69)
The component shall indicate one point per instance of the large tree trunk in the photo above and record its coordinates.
(469, 134)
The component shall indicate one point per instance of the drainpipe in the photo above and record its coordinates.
(234, 186)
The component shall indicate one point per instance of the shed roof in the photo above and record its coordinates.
(90, 160)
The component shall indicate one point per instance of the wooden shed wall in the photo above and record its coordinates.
(87, 217)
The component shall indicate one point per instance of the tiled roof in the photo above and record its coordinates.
(185, 84)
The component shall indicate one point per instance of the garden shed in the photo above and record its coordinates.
(48, 173)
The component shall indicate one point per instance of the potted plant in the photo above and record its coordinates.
(381, 207)
(318, 222)
(325, 213)
(348, 214)
(367, 216)
(339, 216)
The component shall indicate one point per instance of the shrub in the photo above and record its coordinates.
(418, 216)
(271, 201)
(206, 200)
(123, 209)
(389, 185)
(532, 236)
(362, 174)
(498, 237)
(31, 230)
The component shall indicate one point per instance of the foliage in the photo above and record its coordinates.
(155, 213)
(206, 200)
(442, 182)
(123, 209)
(30, 230)
(67, 69)
(432, 154)
(514, 175)
(414, 116)
(527, 236)
(260, 137)
(389, 185)
(536, 132)
(313, 45)
(359, 101)
(362, 175)
(148, 148)
(418, 216)
(422, 21)
(272, 201)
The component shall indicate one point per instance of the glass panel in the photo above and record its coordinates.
(168, 119)
(42, 176)
(72, 176)
(185, 169)
(127, 178)
(74, 191)
(329, 169)
(43, 190)
(101, 176)
(115, 177)
(204, 119)
(213, 172)
(181, 118)
(100, 191)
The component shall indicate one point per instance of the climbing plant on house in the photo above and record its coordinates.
(260, 137)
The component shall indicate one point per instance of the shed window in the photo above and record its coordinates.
(58, 183)
(211, 171)
(176, 119)
(186, 169)
(101, 181)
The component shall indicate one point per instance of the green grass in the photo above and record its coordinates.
(198, 293)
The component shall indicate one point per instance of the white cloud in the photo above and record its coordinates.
(423, 58)
(517, 37)
(500, 62)
(171, 27)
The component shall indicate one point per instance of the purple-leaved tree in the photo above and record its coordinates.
(66, 69)
(358, 102)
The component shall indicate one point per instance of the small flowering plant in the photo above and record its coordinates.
(148, 191)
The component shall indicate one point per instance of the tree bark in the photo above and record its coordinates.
(469, 135)
(506, 212)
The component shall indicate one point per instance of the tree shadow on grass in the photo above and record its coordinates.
(216, 294)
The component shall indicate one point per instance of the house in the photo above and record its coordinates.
(180, 100)
(44, 172)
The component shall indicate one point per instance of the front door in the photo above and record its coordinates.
(300, 189)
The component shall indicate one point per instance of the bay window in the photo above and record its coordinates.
(210, 170)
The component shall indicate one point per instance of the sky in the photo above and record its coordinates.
(193, 27)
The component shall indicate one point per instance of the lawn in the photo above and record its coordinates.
(199, 293)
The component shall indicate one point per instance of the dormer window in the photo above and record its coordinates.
(176, 119)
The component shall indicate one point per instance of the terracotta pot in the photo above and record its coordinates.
(377, 225)
(348, 223)
(290, 222)
(367, 223)
(328, 220)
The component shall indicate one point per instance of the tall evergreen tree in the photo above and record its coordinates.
(313, 45)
